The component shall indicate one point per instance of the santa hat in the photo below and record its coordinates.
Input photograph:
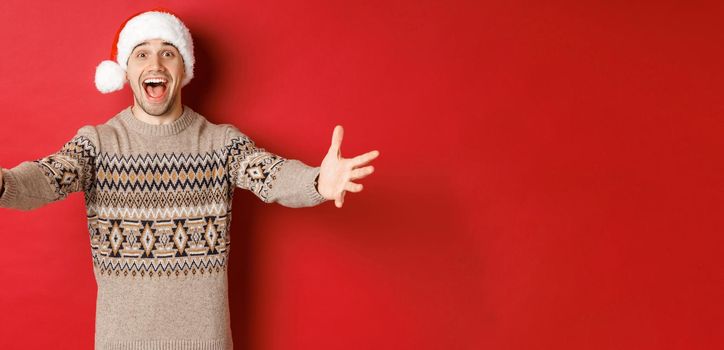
(157, 24)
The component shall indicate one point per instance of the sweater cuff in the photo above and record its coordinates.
(294, 185)
(9, 190)
(311, 190)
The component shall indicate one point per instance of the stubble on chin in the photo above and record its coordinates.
(155, 110)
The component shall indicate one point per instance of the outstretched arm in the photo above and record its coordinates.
(270, 177)
(33, 184)
(337, 173)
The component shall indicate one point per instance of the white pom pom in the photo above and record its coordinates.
(109, 77)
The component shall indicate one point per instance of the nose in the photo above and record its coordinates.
(155, 63)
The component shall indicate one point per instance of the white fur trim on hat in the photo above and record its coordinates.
(146, 26)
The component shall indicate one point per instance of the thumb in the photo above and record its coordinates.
(337, 135)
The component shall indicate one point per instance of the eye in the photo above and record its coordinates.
(168, 54)
(141, 55)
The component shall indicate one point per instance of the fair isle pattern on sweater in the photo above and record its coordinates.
(134, 194)
(158, 208)
(71, 167)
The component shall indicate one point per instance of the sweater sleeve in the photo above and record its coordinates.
(270, 177)
(32, 184)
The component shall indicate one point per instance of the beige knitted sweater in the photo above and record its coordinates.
(158, 202)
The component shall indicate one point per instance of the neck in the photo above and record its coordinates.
(166, 118)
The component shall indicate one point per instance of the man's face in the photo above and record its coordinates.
(155, 70)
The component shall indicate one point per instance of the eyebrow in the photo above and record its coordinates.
(165, 43)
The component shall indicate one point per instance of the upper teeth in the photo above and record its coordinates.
(148, 81)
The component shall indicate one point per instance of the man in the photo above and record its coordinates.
(158, 180)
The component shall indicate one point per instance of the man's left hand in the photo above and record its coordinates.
(336, 173)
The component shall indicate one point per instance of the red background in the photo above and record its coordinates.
(550, 174)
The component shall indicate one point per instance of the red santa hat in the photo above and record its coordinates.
(156, 24)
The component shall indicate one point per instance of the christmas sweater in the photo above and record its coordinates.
(158, 205)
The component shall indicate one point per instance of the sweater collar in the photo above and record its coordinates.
(173, 128)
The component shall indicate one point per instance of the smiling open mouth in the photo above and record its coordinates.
(155, 88)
